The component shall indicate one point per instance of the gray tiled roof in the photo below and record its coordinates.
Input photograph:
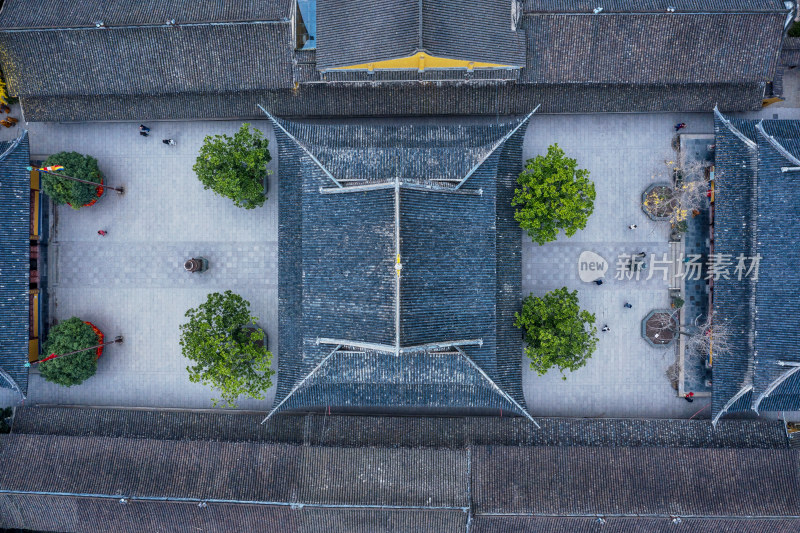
(398, 431)
(355, 32)
(15, 188)
(52, 482)
(59, 14)
(620, 524)
(654, 6)
(338, 280)
(599, 481)
(220, 59)
(734, 225)
(755, 213)
(148, 59)
(652, 48)
(777, 300)
(400, 99)
(94, 515)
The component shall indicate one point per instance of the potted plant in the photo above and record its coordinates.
(73, 193)
(71, 336)
(235, 167)
(228, 348)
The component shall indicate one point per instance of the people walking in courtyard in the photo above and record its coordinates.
(598, 282)
(689, 397)
(102, 232)
(633, 226)
(606, 328)
(679, 126)
(143, 128)
(169, 142)
(627, 306)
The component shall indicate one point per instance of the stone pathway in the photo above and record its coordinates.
(160, 265)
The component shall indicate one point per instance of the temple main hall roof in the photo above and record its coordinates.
(399, 266)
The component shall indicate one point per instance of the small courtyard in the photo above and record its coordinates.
(132, 282)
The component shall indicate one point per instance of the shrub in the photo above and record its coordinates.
(63, 191)
(235, 167)
(227, 354)
(557, 331)
(69, 336)
(553, 194)
(794, 31)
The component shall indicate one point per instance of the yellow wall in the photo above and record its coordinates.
(421, 61)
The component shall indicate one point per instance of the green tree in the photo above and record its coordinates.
(553, 194)
(229, 353)
(63, 191)
(69, 336)
(235, 167)
(557, 331)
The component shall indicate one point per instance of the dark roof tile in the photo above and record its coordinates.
(14, 261)
(352, 33)
(651, 48)
(148, 60)
(58, 14)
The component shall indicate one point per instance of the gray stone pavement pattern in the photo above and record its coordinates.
(626, 376)
(132, 282)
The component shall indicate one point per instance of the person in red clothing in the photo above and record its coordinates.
(102, 232)
(689, 397)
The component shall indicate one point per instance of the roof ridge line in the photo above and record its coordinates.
(297, 387)
(495, 386)
(744, 390)
(497, 145)
(733, 129)
(21, 29)
(774, 385)
(776, 145)
(301, 145)
(14, 144)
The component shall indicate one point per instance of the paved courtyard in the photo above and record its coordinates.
(131, 282)
(626, 376)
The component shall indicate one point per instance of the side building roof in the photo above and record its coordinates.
(652, 48)
(757, 170)
(218, 60)
(138, 50)
(133, 481)
(389, 295)
(15, 190)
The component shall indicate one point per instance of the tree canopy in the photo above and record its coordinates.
(229, 354)
(553, 194)
(64, 191)
(65, 337)
(235, 167)
(557, 331)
